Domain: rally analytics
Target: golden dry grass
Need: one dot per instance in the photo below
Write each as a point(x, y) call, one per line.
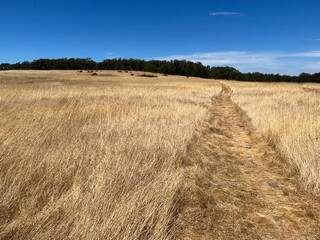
point(288, 115)
point(116, 156)
point(94, 157)
point(236, 187)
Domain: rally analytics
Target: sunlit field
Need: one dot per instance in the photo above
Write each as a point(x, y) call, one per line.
point(288, 115)
point(94, 157)
point(101, 157)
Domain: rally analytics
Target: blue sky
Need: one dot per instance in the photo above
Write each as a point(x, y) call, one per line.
point(271, 36)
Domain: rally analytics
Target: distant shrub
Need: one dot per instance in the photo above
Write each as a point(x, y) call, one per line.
point(80, 71)
point(94, 74)
point(120, 71)
point(132, 74)
point(148, 75)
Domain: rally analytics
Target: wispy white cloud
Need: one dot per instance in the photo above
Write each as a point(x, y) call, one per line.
point(310, 54)
point(110, 55)
point(226, 14)
point(249, 61)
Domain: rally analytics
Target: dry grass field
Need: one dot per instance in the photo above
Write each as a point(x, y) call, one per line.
point(93, 157)
point(288, 115)
point(116, 156)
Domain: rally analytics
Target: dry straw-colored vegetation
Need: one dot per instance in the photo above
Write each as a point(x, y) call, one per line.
point(94, 157)
point(102, 157)
point(289, 116)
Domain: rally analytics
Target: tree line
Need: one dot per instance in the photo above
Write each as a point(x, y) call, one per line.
point(173, 67)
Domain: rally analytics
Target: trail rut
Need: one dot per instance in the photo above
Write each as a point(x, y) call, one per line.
point(238, 187)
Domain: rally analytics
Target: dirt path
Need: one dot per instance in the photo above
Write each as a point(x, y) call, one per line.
point(237, 187)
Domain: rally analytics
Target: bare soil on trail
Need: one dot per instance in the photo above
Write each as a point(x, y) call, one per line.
point(238, 187)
